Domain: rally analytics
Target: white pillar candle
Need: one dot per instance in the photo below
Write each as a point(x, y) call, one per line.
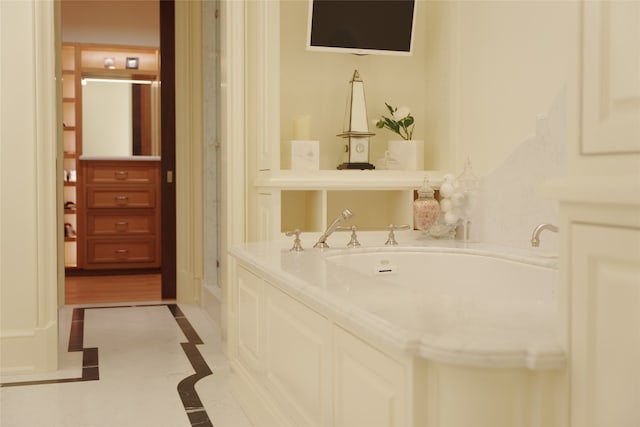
point(302, 128)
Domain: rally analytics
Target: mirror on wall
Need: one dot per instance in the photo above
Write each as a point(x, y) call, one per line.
point(120, 117)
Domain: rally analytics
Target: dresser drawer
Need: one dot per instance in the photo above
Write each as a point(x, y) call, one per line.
point(120, 223)
point(120, 198)
point(118, 172)
point(121, 251)
point(120, 226)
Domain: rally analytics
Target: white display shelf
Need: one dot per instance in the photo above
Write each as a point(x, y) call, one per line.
point(309, 200)
point(347, 179)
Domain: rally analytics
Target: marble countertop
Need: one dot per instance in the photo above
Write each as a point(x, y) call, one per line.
point(461, 332)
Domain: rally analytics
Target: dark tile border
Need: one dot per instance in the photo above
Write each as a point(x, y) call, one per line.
point(90, 370)
point(186, 388)
point(193, 406)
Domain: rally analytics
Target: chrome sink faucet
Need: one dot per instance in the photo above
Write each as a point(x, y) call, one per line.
point(322, 241)
point(535, 237)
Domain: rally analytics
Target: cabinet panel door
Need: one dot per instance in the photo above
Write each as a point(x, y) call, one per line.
point(369, 386)
point(297, 362)
point(611, 77)
point(605, 332)
point(250, 320)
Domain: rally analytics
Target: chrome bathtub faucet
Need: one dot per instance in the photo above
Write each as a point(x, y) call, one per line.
point(535, 237)
point(322, 241)
point(353, 243)
point(391, 240)
point(297, 246)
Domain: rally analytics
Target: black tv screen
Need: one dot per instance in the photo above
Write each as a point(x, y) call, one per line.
point(361, 26)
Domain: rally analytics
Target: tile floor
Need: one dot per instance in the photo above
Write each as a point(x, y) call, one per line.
point(142, 359)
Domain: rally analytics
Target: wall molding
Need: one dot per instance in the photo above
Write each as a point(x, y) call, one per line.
point(29, 225)
point(189, 151)
point(232, 151)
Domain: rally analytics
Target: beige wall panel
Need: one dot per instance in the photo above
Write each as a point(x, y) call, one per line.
point(28, 279)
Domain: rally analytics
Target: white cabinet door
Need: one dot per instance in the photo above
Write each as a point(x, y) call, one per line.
point(250, 320)
point(297, 359)
point(369, 386)
point(605, 341)
point(611, 77)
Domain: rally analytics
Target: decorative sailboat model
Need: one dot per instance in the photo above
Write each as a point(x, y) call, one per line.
point(356, 127)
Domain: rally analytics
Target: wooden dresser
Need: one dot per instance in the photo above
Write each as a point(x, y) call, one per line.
point(120, 228)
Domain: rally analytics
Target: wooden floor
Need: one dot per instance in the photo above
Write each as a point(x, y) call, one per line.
point(112, 289)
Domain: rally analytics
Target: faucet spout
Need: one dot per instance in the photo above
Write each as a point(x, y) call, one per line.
point(322, 241)
point(535, 237)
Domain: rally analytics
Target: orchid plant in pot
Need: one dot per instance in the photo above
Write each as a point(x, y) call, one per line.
point(401, 121)
point(407, 153)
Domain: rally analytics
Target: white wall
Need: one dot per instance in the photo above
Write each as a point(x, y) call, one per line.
point(28, 262)
point(317, 84)
point(513, 62)
point(481, 73)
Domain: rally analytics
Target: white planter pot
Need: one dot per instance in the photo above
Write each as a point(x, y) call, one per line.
point(405, 155)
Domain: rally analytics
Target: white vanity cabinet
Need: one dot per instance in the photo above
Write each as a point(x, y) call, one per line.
point(600, 221)
point(298, 361)
point(308, 371)
point(283, 350)
point(369, 387)
point(250, 324)
point(605, 320)
point(297, 358)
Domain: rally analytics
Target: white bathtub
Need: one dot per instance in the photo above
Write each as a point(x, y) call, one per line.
point(469, 306)
point(470, 327)
point(477, 275)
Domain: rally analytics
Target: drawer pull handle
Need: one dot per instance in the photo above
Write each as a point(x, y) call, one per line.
point(122, 198)
point(121, 174)
point(122, 224)
point(122, 251)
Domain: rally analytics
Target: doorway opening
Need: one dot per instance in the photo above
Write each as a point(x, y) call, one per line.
point(147, 271)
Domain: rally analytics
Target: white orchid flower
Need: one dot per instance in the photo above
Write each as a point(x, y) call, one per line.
point(401, 113)
point(401, 121)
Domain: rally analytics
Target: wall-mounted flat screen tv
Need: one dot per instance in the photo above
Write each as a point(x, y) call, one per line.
point(382, 27)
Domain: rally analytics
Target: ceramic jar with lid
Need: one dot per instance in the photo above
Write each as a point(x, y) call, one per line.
point(425, 207)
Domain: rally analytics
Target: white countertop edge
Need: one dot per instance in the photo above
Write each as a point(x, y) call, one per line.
point(373, 327)
point(121, 158)
point(535, 361)
point(346, 179)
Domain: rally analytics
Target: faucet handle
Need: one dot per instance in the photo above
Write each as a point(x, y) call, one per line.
point(391, 241)
point(353, 243)
point(297, 246)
